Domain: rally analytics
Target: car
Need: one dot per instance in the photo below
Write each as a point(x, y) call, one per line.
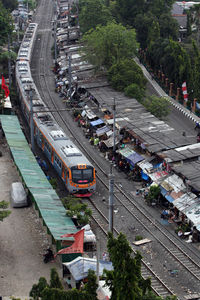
point(18, 195)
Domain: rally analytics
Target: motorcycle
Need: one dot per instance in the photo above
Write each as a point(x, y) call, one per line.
point(48, 256)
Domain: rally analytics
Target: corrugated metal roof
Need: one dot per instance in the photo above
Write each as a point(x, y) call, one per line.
point(47, 201)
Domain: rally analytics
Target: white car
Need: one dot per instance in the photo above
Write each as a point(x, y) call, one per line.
point(18, 195)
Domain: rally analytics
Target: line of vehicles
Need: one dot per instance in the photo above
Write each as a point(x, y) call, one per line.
point(73, 167)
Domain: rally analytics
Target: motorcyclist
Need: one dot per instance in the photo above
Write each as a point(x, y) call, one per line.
point(48, 255)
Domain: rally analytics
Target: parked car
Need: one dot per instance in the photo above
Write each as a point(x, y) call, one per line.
point(18, 195)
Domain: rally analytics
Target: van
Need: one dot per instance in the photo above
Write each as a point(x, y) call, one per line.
point(18, 195)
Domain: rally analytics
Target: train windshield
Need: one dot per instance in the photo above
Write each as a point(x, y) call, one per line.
point(82, 176)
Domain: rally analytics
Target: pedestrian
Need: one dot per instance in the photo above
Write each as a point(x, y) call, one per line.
point(197, 126)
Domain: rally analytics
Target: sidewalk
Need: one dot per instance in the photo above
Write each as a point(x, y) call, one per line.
point(162, 93)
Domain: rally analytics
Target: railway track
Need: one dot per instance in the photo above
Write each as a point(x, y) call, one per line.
point(165, 240)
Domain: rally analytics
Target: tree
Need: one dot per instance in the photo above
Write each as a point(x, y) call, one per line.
point(107, 45)
point(168, 26)
point(125, 73)
point(55, 291)
point(127, 10)
point(55, 280)
point(91, 286)
point(158, 7)
point(37, 289)
point(147, 28)
point(195, 10)
point(158, 106)
point(125, 280)
point(93, 13)
point(173, 59)
point(6, 24)
point(153, 193)
point(3, 212)
point(10, 4)
point(122, 280)
point(77, 209)
point(189, 19)
point(134, 91)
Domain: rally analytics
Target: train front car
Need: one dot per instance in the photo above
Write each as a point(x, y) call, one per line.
point(83, 180)
point(69, 162)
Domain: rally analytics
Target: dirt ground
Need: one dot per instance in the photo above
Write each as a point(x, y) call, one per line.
point(22, 240)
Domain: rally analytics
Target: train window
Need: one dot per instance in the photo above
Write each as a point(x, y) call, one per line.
point(87, 174)
point(57, 161)
point(82, 176)
point(76, 175)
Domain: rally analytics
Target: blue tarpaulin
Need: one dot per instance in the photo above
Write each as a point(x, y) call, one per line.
point(102, 130)
point(144, 176)
point(164, 192)
point(134, 158)
point(97, 122)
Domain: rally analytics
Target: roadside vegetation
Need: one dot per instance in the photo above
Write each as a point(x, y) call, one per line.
point(78, 211)
point(4, 213)
point(124, 281)
point(147, 27)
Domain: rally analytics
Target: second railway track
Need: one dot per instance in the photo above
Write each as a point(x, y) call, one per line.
point(178, 252)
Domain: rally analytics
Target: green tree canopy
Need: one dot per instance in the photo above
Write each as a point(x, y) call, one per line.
point(6, 24)
point(158, 7)
point(10, 4)
point(93, 13)
point(55, 280)
point(127, 10)
point(147, 28)
point(173, 59)
point(168, 26)
point(37, 289)
point(109, 44)
point(125, 280)
point(125, 73)
point(134, 91)
point(55, 291)
point(158, 106)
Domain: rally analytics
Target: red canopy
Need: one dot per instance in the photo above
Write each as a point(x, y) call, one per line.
point(77, 246)
point(4, 87)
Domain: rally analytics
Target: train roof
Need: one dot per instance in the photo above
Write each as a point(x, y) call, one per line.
point(62, 144)
point(26, 48)
point(45, 121)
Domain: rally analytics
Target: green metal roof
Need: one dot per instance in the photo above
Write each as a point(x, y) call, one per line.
point(48, 202)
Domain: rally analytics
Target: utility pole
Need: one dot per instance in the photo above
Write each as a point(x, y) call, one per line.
point(68, 23)
point(97, 268)
point(114, 110)
point(111, 199)
point(18, 30)
point(54, 29)
point(31, 120)
point(70, 79)
point(9, 64)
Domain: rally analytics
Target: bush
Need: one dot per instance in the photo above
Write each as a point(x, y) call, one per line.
point(53, 182)
point(158, 106)
point(76, 209)
point(153, 194)
point(134, 91)
point(125, 73)
point(138, 238)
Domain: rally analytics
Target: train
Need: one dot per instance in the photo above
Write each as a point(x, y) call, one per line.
point(72, 166)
